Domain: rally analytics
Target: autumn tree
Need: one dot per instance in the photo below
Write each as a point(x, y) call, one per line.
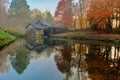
point(59, 11)
point(44, 16)
point(37, 14)
point(80, 13)
point(75, 14)
point(48, 17)
point(116, 15)
point(63, 12)
point(67, 15)
point(99, 14)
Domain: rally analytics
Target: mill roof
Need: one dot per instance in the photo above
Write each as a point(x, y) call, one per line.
point(39, 25)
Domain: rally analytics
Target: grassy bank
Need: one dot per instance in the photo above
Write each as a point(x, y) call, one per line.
point(90, 35)
point(18, 32)
point(5, 38)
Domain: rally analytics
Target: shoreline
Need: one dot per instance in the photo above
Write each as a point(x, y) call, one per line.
point(90, 35)
point(6, 39)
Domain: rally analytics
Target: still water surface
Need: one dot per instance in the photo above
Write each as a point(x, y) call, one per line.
point(53, 59)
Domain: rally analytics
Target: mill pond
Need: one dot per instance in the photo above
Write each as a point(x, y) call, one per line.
point(58, 59)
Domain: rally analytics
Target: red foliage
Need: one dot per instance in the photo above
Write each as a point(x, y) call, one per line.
point(63, 13)
point(60, 7)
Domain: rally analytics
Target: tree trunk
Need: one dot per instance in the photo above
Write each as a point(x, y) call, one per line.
point(109, 26)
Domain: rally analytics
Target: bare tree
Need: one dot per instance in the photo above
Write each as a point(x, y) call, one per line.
point(83, 5)
point(116, 16)
point(80, 13)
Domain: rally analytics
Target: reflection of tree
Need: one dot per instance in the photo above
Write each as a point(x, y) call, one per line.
point(4, 63)
point(20, 60)
point(54, 42)
point(107, 52)
point(94, 50)
point(103, 66)
point(63, 59)
point(79, 61)
point(82, 62)
point(72, 58)
point(112, 55)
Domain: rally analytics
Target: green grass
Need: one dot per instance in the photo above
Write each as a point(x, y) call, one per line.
point(13, 30)
point(5, 38)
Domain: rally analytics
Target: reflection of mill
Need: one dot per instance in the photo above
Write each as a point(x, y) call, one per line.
point(35, 44)
point(41, 44)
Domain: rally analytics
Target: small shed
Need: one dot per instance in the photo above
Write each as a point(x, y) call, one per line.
point(37, 30)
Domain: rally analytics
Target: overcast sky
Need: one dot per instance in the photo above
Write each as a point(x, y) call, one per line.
point(43, 5)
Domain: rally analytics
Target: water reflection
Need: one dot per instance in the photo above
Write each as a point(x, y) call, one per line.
point(6, 54)
point(20, 60)
point(60, 58)
point(36, 44)
point(39, 44)
point(4, 63)
point(71, 61)
point(89, 62)
point(104, 61)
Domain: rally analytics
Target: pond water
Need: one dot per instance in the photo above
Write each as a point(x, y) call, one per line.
point(53, 59)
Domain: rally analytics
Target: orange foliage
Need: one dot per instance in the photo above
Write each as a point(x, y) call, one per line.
point(99, 11)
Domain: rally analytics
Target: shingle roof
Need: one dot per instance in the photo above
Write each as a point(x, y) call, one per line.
point(40, 25)
point(43, 24)
point(37, 26)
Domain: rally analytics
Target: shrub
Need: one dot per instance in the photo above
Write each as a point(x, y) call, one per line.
point(117, 30)
point(93, 26)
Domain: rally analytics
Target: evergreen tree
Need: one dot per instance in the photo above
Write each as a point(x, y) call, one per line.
point(20, 11)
